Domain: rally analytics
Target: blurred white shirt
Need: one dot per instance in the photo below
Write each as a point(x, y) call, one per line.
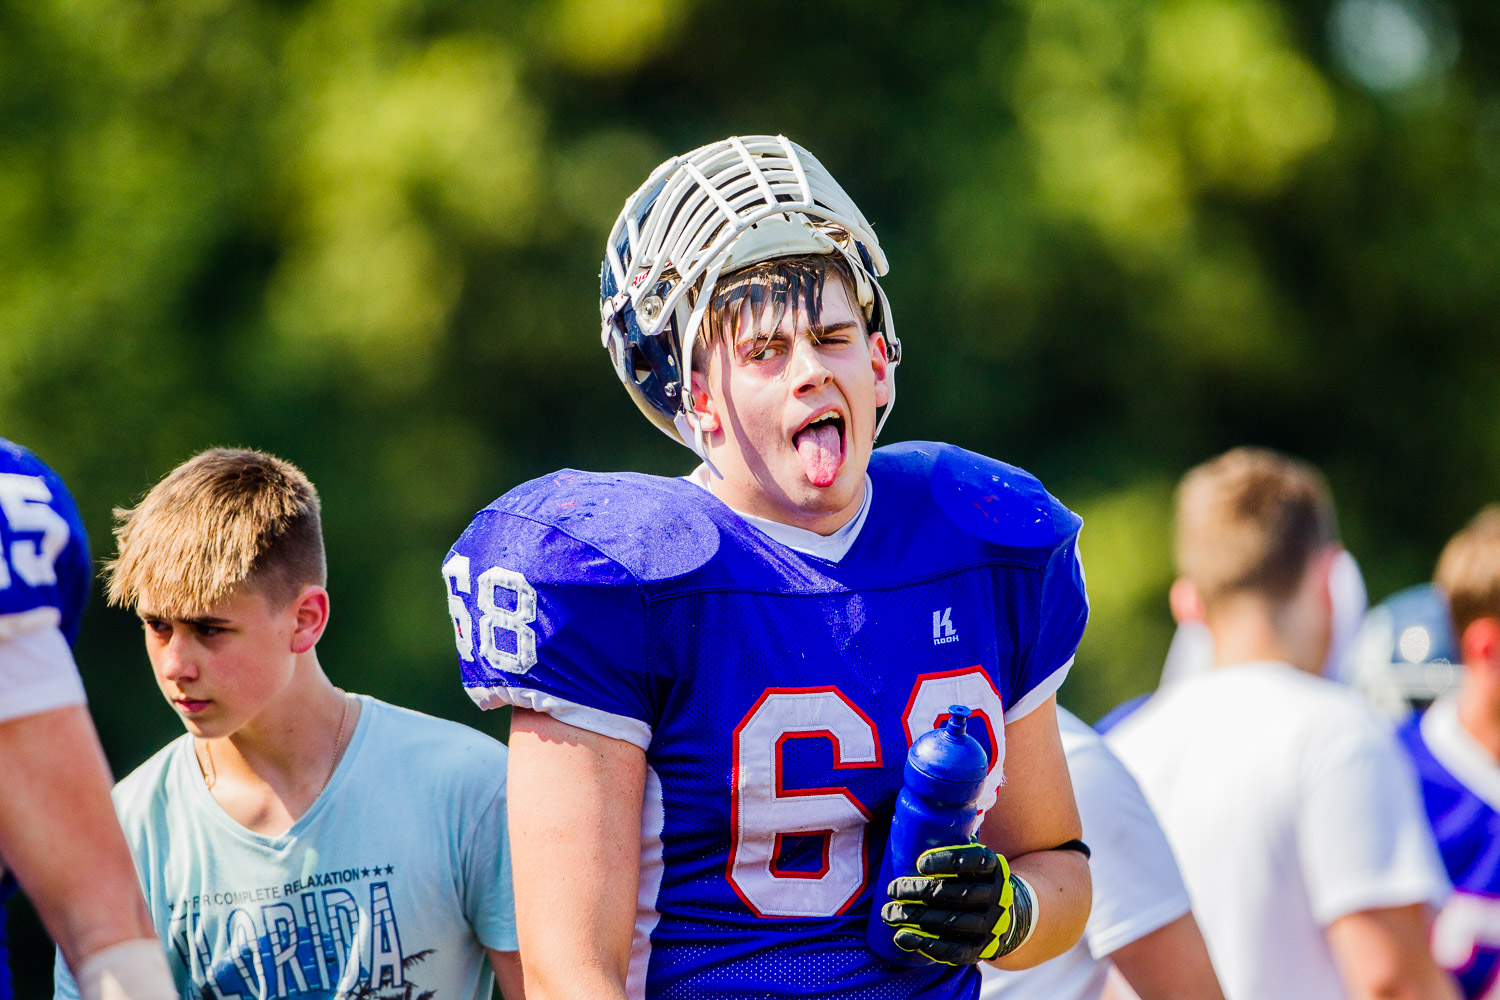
point(1289, 805)
point(1136, 885)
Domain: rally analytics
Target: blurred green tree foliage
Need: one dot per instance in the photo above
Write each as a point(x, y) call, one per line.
point(1124, 234)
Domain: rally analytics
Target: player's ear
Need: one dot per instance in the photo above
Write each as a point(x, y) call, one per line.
point(881, 367)
point(1480, 644)
point(1321, 571)
point(705, 409)
point(1185, 601)
point(311, 610)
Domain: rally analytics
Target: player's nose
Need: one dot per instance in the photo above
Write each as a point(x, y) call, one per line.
point(809, 369)
point(176, 659)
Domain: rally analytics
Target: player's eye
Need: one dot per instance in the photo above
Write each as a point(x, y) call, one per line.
point(763, 348)
point(157, 626)
point(208, 631)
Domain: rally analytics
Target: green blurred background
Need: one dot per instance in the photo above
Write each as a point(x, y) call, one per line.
point(365, 235)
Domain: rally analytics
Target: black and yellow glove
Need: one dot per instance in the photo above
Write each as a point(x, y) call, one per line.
point(963, 907)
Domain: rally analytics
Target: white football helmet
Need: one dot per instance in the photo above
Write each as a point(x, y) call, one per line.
point(705, 214)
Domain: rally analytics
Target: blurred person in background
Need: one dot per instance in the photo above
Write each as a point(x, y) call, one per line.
point(297, 839)
point(1455, 745)
point(58, 833)
point(1191, 653)
point(1141, 922)
point(1294, 815)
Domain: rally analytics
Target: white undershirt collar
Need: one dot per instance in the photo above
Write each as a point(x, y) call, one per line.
point(1457, 750)
point(830, 548)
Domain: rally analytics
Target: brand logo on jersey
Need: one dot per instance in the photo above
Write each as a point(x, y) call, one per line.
point(942, 627)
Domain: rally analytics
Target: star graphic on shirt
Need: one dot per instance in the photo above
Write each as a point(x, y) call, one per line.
point(390, 869)
point(365, 872)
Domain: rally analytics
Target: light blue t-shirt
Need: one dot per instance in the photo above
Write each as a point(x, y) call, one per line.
point(387, 887)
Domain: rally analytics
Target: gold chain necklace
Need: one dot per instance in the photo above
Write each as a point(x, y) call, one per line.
point(210, 775)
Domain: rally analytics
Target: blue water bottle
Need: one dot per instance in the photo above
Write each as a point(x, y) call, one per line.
point(939, 799)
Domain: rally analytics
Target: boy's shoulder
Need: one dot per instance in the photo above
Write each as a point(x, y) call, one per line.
point(982, 497)
point(596, 528)
point(150, 787)
point(426, 744)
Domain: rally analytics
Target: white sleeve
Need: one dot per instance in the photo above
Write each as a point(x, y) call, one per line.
point(1137, 887)
point(1362, 834)
point(37, 674)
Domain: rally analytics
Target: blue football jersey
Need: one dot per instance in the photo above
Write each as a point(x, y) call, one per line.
point(44, 553)
point(1461, 790)
point(44, 574)
point(775, 694)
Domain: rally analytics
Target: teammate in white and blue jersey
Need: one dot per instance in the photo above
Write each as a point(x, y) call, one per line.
point(716, 678)
point(58, 833)
point(1455, 746)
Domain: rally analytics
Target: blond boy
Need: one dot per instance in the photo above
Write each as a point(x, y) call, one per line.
point(297, 840)
point(1294, 818)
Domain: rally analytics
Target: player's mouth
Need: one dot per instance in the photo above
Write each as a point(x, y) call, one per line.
point(820, 446)
point(190, 706)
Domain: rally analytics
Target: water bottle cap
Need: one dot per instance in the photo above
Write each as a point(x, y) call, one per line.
point(948, 759)
point(958, 723)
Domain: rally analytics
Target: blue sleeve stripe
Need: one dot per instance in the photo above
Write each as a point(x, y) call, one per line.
point(1033, 699)
point(618, 727)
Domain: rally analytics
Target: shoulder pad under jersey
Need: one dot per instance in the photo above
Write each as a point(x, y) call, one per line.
point(652, 527)
point(984, 497)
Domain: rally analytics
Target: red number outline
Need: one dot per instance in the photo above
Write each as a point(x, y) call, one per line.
point(977, 713)
point(781, 792)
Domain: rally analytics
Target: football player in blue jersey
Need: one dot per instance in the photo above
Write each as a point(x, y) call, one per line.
point(58, 833)
point(716, 678)
point(1455, 745)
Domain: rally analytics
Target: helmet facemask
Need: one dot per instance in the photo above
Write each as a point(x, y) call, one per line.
point(710, 213)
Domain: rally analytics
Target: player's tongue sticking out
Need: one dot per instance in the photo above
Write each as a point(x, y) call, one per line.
point(821, 448)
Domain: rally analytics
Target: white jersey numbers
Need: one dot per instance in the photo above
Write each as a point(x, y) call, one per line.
point(498, 618)
point(456, 572)
point(928, 708)
point(505, 620)
point(23, 502)
point(764, 812)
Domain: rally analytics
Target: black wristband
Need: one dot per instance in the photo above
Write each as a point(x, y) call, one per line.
point(1022, 913)
point(1075, 845)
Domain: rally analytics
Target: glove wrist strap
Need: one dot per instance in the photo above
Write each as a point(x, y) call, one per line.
point(1024, 914)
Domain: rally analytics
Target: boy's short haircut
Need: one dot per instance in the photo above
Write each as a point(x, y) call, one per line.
point(1249, 522)
point(1469, 570)
point(221, 519)
point(773, 284)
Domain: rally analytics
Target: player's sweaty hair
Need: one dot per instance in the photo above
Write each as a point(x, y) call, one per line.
point(1469, 570)
point(219, 520)
point(1249, 522)
point(766, 290)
